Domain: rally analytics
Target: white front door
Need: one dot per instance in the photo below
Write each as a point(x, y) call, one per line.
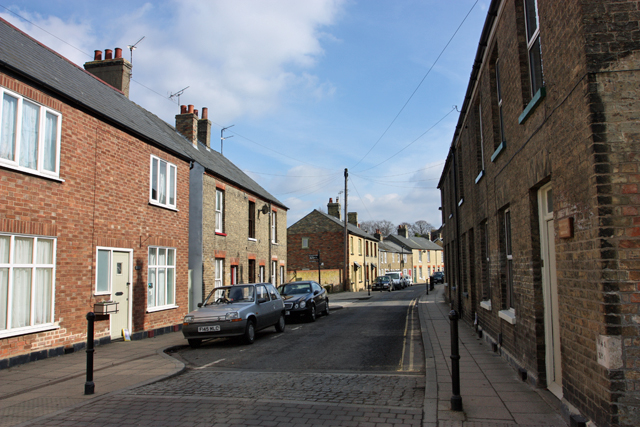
point(553, 355)
point(120, 283)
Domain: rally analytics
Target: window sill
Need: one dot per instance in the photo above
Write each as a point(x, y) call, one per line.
point(159, 205)
point(532, 105)
point(252, 239)
point(479, 177)
point(508, 315)
point(102, 293)
point(164, 307)
point(499, 150)
point(218, 233)
point(486, 304)
point(17, 168)
point(460, 202)
point(28, 330)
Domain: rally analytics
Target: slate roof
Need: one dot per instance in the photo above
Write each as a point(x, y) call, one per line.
point(352, 229)
point(388, 246)
point(414, 242)
point(31, 59)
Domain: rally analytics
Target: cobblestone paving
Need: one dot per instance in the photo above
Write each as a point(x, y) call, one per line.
point(226, 399)
point(377, 390)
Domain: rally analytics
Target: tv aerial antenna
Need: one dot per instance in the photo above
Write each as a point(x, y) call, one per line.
point(132, 47)
point(178, 93)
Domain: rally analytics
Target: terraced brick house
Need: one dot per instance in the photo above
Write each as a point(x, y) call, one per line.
point(540, 201)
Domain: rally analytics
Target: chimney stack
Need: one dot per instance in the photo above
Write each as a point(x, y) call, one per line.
point(402, 231)
point(352, 218)
point(187, 124)
point(377, 235)
point(114, 71)
point(334, 209)
point(204, 128)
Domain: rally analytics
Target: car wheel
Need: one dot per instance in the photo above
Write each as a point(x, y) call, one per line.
point(326, 308)
point(312, 313)
point(250, 332)
point(195, 343)
point(281, 324)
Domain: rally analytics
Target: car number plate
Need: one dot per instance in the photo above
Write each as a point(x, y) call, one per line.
point(214, 328)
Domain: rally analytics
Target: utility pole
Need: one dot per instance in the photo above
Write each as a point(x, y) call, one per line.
point(346, 235)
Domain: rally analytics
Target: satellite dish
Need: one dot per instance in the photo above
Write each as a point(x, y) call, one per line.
point(265, 209)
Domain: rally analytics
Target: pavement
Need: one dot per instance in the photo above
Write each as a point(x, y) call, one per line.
point(492, 393)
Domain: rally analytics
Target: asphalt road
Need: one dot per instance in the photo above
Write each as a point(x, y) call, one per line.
point(361, 366)
point(380, 334)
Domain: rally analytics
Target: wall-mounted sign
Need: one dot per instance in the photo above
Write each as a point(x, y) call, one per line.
point(565, 228)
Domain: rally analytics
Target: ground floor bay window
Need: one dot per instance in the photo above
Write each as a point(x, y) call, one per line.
point(27, 284)
point(161, 292)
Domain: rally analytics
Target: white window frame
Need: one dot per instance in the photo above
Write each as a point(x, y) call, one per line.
point(305, 243)
point(170, 185)
point(41, 129)
point(219, 272)
point(170, 297)
point(420, 257)
point(261, 274)
point(219, 211)
point(110, 251)
point(9, 265)
point(282, 274)
point(274, 227)
point(499, 94)
point(274, 272)
point(532, 39)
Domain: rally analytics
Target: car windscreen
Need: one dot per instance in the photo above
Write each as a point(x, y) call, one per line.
point(295, 288)
point(230, 294)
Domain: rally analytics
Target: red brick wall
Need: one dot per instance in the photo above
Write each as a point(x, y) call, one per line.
point(102, 200)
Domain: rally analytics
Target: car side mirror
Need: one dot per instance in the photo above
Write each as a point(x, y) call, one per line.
point(316, 292)
point(199, 304)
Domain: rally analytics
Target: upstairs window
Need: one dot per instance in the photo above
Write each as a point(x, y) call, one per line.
point(29, 135)
point(499, 98)
point(305, 243)
point(252, 220)
point(533, 45)
point(163, 183)
point(219, 211)
point(274, 228)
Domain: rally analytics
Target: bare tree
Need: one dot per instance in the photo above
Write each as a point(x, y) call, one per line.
point(385, 227)
point(421, 228)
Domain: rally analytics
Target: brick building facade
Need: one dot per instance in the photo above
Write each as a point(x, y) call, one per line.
point(540, 200)
point(324, 234)
point(93, 207)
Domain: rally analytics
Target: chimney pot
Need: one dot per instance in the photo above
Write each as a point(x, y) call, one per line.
point(205, 113)
point(183, 109)
point(190, 108)
point(97, 55)
point(108, 54)
point(330, 199)
point(195, 112)
point(118, 53)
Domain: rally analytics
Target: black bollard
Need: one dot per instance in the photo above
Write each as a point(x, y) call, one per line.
point(456, 399)
point(89, 386)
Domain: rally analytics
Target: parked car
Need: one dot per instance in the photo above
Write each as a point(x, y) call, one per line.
point(407, 280)
point(382, 283)
point(238, 310)
point(396, 280)
point(438, 277)
point(304, 299)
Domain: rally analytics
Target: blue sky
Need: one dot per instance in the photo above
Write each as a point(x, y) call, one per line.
point(311, 87)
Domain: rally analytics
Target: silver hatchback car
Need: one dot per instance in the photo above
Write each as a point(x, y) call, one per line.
point(238, 310)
